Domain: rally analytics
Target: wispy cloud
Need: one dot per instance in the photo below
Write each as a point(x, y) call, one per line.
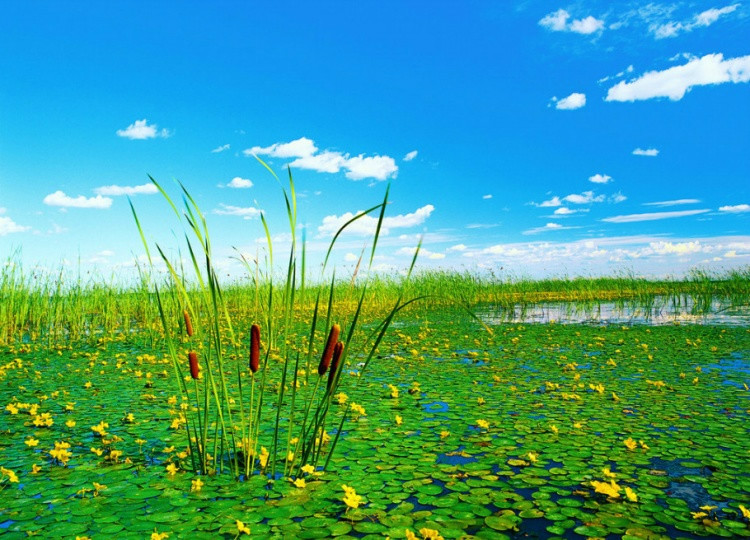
point(220, 148)
point(675, 202)
point(550, 203)
point(675, 82)
point(487, 197)
point(140, 129)
point(570, 103)
point(306, 156)
point(243, 212)
point(586, 197)
point(653, 216)
point(547, 227)
point(59, 198)
point(411, 155)
point(649, 152)
point(366, 225)
point(600, 179)
point(115, 190)
point(565, 211)
point(240, 183)
point(699, 20)
point(735, 209)
point(557, 21)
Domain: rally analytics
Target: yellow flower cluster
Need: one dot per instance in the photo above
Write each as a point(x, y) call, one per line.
point(61, 452)
point(351, 499)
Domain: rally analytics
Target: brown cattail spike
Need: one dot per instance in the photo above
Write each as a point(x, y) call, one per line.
point(254, 348)
point(188, 324)
point(194, 369)
point(337, 350)
point(325, 361)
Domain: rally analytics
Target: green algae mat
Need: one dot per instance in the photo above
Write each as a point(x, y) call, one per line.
point(534, 431)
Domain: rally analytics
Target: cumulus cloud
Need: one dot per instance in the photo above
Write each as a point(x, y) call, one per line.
point(366, 225)
point(140, 129)
point(557, 21)
point(650, 152)
point(240, 183)
point(243, 212)
point(306, 156)
point(553, 202)
point(705, 18)
point(59, 198)
point(294, 149)
point(115, 190)
point(220, 148)
point(617, 197)
point(457, 247)
point(423, 253)
point(600, 179)
point(653, 216)
point(586, 197)
point(675, 82)
point(736, 209)
point(572, 102)
point(8, 226)
point(565, 211)
point(680, 248)
point(675, 202)
point(411, 155)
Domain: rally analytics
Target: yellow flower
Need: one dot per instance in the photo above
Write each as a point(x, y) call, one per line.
point(410, 535)
point(430, 534)
point(12, 477)
point(610, 490)
point(399, 420)
point(630, 443)
point(533, 457)
point(483, 424)
point(35, 468)
point(168, 449)
point(263, 457)
point(290, 456)
point(97, 451)
point(299, 483)
point(196, 485)
point(394, 391)
point(481, 401)
point(341, 398)
point(445, 434)
point(554, 429)
point(114, 455)
point(11, 408)
point(308, 469)
point(745, 512)
point(608, 473)
point(87, 385)
point(357, 408)
point(158, 536)
point(698, 515)
point(351, 499)
point(630, 494)
point(31, 441)
point(242, 528)
point(70, 423)
point(577, 425)
point(172, 469)
point(643, 445)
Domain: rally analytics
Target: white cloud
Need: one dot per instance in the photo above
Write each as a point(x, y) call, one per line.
point(564, 211)
point(8, 226)
point(617, 197)
point(486, 197)
point(679, 248)
point(240, 183)
point(351, 257)
point(59, 198)
point(703, 19)
point(736, 209)
point(572, 102)
point(298, 148)
point(632, 218)
point(600, 178)
point(650, 152)
point(554, 201)
point(557, 21)
point(457, 247)
point(220, 148)
point(675, 202)
point(114, 190)
point(378, 167)
point(547, 227)
point(411, 155)
point(675, 82)
point(366, 225)
point(583, 198)
point(140, 129)
point(329, 161)
point(246, 212)
point(423, 253)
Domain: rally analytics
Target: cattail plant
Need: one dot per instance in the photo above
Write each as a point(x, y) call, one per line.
point(325, 360)
point(194, 368)
point(188, 323)
point(254, 348)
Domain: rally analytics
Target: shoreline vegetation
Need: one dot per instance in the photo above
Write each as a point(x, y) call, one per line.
point(34, 307)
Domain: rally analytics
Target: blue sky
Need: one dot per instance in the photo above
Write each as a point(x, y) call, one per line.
point(542, 138)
